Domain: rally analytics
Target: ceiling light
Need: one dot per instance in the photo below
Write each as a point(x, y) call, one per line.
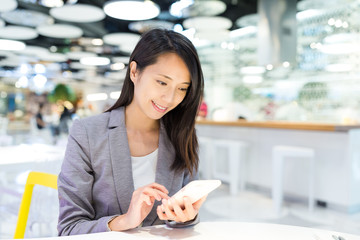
point(39, 81)
point(97, 96)
point(70, 13)
point(340, 48)
point(11, 45)
point(177, 7)
point(307, 14)
point(339, 67)
point(252, 70)
point(97, 42)
point(60, 31)
point(115, 95)
point(208, 23)
point(117, 66)
point(95, 61)
point(18, 33)
point(244, 31)
point(252, 79)
point(131, 10)
point(39, 68)
point(23, 82)
point(8, 5)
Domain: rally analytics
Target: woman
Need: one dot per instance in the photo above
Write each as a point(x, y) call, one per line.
point(121, 165)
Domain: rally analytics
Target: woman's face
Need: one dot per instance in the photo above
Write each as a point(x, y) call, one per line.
point(160, 87)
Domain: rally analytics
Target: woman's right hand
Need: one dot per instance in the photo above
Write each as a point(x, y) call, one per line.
point(142, 202)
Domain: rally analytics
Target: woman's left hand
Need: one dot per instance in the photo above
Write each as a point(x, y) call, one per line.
point(171, 209)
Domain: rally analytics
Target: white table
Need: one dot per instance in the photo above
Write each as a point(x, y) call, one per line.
point(29, 156)
point(218, 230)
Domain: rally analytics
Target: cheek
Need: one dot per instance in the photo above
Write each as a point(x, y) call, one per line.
point(179, 98)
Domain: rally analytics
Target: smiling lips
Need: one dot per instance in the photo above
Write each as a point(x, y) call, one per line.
point(158, 107)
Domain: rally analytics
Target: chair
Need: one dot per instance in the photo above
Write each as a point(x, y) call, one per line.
point(279, 154)
point(39, 178)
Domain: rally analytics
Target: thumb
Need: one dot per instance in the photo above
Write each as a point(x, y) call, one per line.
point(199, 202)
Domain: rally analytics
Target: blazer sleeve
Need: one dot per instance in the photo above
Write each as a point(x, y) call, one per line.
point(187, 178)
point(75, 181)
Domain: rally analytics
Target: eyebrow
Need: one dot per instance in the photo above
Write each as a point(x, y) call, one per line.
point(165, 76)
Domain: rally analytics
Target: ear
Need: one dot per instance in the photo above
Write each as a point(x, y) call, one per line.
point(133, 72)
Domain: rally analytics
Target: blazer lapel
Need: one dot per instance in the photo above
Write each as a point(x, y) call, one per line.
point(164, 174)
point(120, 159)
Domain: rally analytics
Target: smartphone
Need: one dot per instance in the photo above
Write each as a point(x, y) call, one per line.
point(195, 190)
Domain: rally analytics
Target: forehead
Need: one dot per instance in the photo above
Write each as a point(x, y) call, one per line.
point(172, 66)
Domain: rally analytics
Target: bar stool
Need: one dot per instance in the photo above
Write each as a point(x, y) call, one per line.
point(205, 156)
point(279, 154)
point(236, 155)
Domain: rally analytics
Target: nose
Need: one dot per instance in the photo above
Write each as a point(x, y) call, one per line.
point(168, 96)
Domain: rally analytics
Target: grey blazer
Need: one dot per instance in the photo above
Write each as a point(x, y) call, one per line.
point(96, 183)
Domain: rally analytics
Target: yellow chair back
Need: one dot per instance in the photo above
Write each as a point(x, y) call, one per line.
point(39, 178)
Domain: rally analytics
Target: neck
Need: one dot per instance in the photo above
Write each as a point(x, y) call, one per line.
point(136, 120)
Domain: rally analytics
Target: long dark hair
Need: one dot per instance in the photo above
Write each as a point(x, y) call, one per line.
point(179, 122)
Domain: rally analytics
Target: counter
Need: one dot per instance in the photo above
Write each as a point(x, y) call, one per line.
point(283, 125)
point(337, 160)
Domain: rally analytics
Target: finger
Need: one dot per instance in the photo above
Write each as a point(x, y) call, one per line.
point(180, 215)
point(145, 198)
point(199, 202)
point(159, 187)
point(155, 193)
point(189, 208)
point(169, 213)
point(160, 213)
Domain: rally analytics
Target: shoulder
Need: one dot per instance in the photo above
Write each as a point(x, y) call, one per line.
point(94, 123)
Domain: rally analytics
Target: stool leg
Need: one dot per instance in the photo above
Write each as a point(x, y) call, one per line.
point(208, 155)
point(243, 169)
point(234, 160)
point(277, 188)
point(311, 185)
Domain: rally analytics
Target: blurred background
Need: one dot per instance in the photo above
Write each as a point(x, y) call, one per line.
point(263, 60)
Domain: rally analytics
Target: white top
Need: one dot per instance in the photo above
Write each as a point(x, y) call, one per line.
point(144, 169)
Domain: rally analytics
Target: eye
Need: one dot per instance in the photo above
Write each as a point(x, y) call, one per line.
point(183, 89)
point(161, 82)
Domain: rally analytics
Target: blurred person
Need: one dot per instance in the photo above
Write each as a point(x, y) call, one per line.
point(40, 123)
point(121, 165)
point(65, 119)
point(203, 109)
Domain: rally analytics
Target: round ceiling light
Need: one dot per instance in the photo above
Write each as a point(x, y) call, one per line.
point(11, 45)
point(27, 18)
point(18, 33)
point(95, 61)
point(125, 41)
point(34, 51)
point(253, 70)
point(60, 31)
point(208, 23)
point(143, 26)
point(53, 57)
point(187, 9)
point(78, 13)
point(56, 3)
point(248, 20)
point(8, 5)
point(131, 10)
point(339, 67)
